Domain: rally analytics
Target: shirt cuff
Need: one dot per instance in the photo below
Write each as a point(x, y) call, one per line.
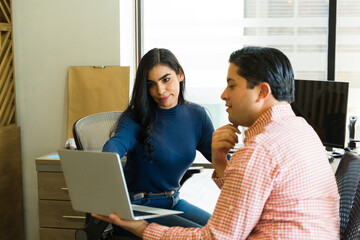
point(154, 231)
point(219, 181)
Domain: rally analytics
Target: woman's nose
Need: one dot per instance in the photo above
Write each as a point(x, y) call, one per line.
point(161, 88)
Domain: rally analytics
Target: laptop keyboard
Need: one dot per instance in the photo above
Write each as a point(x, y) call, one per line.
point(141, 213)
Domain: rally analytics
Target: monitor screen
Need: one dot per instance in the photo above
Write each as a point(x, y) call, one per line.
point(323, 104)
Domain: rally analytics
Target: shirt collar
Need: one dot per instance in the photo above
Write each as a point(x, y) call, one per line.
point(276, 112)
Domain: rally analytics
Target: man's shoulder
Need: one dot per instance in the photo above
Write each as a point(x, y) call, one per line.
point(286, 126)
point(291, 133)
point(285, 131)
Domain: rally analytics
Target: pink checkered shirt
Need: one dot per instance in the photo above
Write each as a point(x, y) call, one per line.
point(278, 186)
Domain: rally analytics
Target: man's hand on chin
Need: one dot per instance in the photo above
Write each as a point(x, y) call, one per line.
point(223, 139)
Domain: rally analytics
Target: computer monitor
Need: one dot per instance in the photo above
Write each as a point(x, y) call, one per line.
point(323, 104)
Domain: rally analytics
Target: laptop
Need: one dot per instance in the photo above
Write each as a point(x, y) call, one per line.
point(97, 184)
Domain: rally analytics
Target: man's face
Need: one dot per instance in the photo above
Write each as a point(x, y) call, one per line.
point(240, 100)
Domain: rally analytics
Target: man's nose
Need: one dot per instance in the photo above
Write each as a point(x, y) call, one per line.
point(224, 95)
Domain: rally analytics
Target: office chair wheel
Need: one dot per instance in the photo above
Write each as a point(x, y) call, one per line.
point(80, 234)
point(93, 230)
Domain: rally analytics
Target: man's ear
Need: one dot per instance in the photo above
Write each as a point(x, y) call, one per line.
point(265, 90)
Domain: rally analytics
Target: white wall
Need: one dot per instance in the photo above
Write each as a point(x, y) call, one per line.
point(50, 36)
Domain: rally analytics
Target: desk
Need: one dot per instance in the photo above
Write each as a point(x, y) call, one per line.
point(207, 165)
point(57, 219)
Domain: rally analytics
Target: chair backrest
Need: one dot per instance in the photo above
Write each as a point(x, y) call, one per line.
point(348, 180)
point(92, 132)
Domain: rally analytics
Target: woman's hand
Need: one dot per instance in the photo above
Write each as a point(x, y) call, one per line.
point(136, 227)
point(223, 139)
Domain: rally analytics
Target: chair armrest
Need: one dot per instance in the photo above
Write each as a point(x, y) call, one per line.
point(189, 173)
point(197, 169)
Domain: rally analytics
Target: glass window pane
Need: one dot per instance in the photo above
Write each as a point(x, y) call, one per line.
point(202, 38)
point(298, 28)
point(202, 34)
point(348, 52)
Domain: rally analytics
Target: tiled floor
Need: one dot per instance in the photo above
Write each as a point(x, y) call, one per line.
point(201, 191)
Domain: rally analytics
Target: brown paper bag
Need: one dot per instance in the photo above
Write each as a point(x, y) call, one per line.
point(96, 89)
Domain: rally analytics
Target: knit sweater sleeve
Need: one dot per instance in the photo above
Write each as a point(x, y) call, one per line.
point(124, 138)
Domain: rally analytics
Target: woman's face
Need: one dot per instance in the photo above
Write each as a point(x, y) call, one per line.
point(163, 85)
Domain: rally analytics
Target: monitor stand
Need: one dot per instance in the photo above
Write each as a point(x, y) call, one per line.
point(352, 141)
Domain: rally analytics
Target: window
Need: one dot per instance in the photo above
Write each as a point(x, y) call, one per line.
point(202, 34)
point(348, 52)
point(202, 38)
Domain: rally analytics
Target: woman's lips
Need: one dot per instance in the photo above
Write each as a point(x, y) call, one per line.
point(164, 98)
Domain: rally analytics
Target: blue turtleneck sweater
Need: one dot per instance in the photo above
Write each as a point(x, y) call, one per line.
point(178, 133)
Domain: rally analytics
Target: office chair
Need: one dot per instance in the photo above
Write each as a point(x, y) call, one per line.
point(348, 180)
point(91, 133)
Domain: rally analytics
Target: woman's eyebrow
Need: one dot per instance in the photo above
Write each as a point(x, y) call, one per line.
point(165, 75)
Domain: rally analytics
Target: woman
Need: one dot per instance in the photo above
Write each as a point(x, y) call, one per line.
point(160, 132)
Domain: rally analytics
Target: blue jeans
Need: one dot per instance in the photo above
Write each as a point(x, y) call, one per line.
point(192, 216)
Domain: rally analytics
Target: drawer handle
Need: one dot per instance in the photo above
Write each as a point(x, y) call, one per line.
point(74, 217)
point(65, 188)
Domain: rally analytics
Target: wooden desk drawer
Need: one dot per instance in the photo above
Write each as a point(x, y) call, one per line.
point(59, 214)
point(51, 185)
point(57, 234)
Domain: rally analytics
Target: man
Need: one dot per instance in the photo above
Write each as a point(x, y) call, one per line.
point(280, 184)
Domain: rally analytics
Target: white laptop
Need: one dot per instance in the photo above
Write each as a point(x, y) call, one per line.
point(97, 184)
